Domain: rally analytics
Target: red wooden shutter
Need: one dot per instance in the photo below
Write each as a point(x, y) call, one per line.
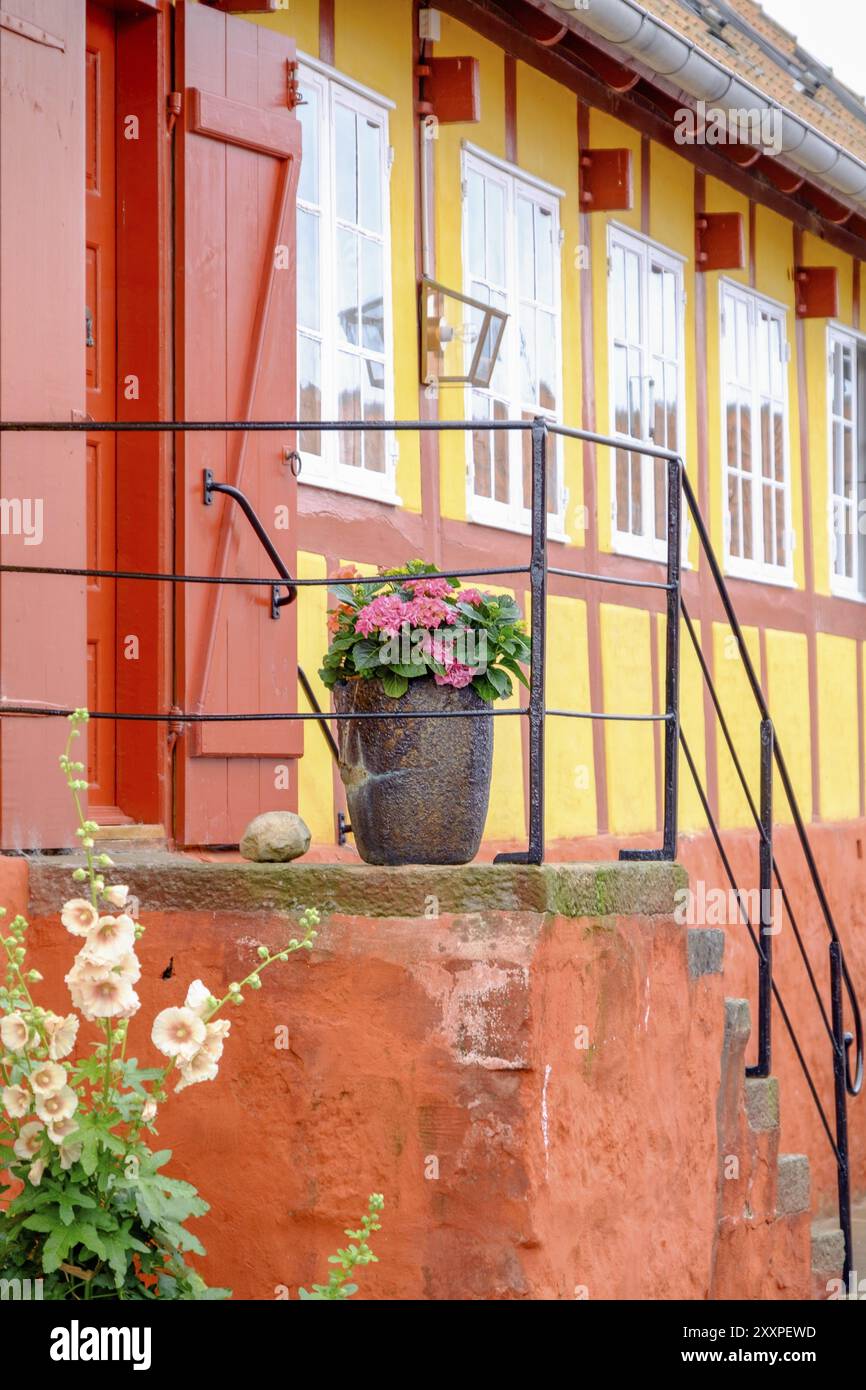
point(42, 336)
point(237, 161)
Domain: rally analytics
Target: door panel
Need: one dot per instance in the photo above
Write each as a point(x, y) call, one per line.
point(101, 378)
point(237, 161)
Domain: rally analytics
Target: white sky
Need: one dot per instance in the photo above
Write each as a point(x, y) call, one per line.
point(832, 30)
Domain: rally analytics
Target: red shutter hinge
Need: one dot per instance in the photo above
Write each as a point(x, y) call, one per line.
point(173, 108)
point(293, 91)
point(176, 726)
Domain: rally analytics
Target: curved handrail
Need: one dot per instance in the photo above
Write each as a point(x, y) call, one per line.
point(853, 1084)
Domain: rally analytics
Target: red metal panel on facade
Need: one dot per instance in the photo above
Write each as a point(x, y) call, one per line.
point(452, 87)
point(720, 241)
point(817, 291)
point(42, 372)
point(235, 359)
point(606, 180)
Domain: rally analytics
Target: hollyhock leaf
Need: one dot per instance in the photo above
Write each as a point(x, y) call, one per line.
point(344, 593)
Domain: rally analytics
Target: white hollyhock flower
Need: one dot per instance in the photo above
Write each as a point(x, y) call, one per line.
point(200, 1068)
point(59, 1130)
point(61, 1033)
point(116, 894)
point(217, 1032)
point(29, 1140)
point(59, 1106)
point(108, 996)
point(128, 968)
point(48, 1079)
point(110, 940)
point(148, 1111)
point(13, 1032)
point(178, 1033)
point(69, 1154)
point(78, 916)
point(16, 1101)
point(197, 997)
point(37, 1168)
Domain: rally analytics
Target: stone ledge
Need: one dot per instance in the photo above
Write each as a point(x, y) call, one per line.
point(181, 883)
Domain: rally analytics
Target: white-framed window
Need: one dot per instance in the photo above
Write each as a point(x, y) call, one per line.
point(511, 258)
point(757, 492)
point(846, 417)
point(647, 392)
point(345, 356)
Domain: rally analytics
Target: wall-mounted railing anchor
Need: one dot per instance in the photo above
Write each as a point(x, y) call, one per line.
point(278, 599)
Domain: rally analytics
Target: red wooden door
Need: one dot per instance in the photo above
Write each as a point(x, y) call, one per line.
point(101, 377)
point(236, 160)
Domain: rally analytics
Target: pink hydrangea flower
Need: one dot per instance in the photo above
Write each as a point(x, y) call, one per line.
point(456, 675)
point(429, 588)
point(427, 612)
point(386, 613)
point(471, 596)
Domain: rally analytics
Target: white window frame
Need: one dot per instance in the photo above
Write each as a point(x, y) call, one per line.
point(737, 565)
point(326, 469)
point(513, 515)
point(646, 546)
point(846, 586)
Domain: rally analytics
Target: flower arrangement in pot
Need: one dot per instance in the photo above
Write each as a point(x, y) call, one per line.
point(415, 640)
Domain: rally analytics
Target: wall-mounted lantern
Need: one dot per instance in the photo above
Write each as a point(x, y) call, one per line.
point(460, 337)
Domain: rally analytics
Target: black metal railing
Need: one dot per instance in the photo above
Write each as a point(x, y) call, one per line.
point(286, 589)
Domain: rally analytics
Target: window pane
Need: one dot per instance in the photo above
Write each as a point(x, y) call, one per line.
point(349, 406)
point(546, 358)
point(501, 480)
point(374, 409)
point(482, 472)
point(495, 233)
point(308, 270)
point(528, 368)
point(526, 248)
point(545, 251)
point(370, 174)
point(346, 161)
point(308, 115)
point(617, 292)
point(347, 286)
point(309, 391)
point(656, 311)
point(671, 333)
point(475, 223)
point(632, 297)
point(372, 296)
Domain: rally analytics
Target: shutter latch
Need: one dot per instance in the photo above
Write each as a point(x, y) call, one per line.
point(173, 108)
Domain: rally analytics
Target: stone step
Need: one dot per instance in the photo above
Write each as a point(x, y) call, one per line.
point(828, 1256)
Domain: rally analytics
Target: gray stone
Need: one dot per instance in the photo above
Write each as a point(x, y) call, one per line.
point(762, 1102)
point(828, 1250)
point(794, 1188)
point(706, 948)
point(275, 837)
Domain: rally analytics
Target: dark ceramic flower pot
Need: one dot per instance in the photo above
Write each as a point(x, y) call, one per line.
point(417, 789)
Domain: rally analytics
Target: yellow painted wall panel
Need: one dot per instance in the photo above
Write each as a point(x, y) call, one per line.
point(691, 812)
point(837, 727)
point(743, 719)
point(569, 777)
point(299, 18)
point(506, 817)
point(627, 679)
point(788, 699)
point(315, 770)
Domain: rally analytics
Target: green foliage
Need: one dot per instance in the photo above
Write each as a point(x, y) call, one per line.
point(345, 1262)
point(483, 633)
